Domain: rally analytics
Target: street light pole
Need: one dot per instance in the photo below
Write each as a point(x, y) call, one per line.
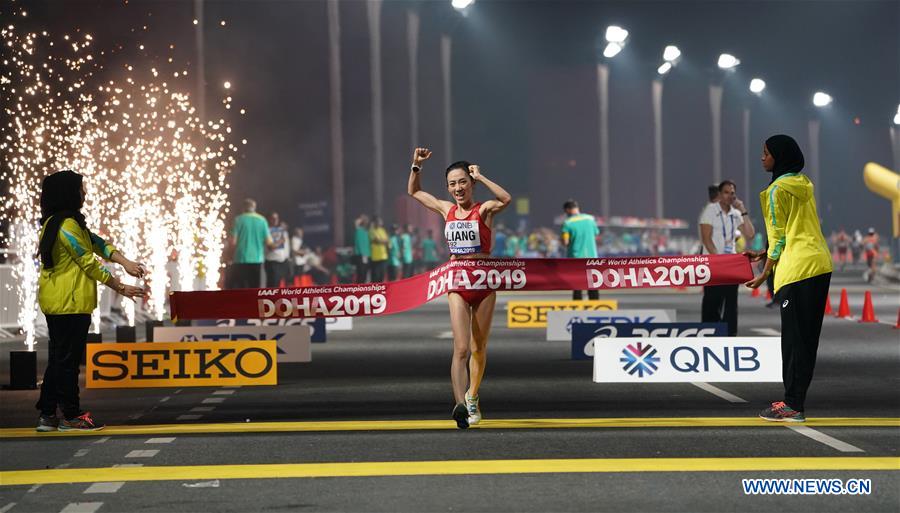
point(657, 89)
point(603, 100)
point(446, 47)
point(412, 40)
point(373, 9)
point(337, 131)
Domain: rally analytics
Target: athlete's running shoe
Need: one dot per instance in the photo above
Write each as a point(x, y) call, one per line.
point(461, 416)
point(781, 412)
point(83, 422)
point(473, 410)
point(47, 423)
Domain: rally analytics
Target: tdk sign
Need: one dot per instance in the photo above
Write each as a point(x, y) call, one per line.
point(559, 323)
point(585, 336)
point(671, 360)
point(292, 341)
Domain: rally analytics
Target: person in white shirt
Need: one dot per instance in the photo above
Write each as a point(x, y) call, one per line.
point(277, 264)
point(718, 225)
point(298, 259)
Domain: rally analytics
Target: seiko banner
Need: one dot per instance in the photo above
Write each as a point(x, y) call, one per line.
point(559, 324)
point(483, 274)
point(292, 341)
point(586, 336)
point(533, 314)
point(181, 364)
point(670, 360)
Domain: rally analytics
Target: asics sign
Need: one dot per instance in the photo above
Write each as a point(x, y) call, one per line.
point(559, 323)
point(671, 360)
point(586, 336)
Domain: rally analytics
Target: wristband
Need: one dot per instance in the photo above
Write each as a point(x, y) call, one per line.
point(415, 169)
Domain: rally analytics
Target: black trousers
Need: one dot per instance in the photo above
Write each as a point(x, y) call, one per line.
point(379, 269)
point(720, 305)
point(362, 269)
point(275, 272)
point(802, 310)
point(592, 294)
point(68, 336)
point(246, 276)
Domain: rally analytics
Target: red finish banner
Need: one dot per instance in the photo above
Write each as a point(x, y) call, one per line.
point(355, 300)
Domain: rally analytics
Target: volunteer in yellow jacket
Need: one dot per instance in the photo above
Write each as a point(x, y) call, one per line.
point(799, 255)
point(68, 294)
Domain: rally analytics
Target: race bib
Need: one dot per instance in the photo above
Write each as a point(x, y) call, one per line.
point(463, 237)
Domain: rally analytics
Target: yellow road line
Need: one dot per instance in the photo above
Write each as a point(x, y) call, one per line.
point(410, 425)
point(434, 468)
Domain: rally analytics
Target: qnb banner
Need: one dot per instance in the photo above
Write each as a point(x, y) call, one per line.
point(473, 274)
point(670, 360)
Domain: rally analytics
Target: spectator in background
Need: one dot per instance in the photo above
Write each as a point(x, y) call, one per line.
point(416, 242)
point(512, 245)
point(298, 261)
point(277, 257)
point(871, 247)
point(499, 250)
point(856, 245)
point(429, 251)
point(314, 266)
point(250, 238)
point(712, 193)
point(395, 254)
point(379, 241)
point(718, 225)
point(362, 250)
point(406, 251)
point(579, 236)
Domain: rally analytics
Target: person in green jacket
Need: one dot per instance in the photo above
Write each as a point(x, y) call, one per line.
point(67, 294)
point(395, 254)
point(800, 258)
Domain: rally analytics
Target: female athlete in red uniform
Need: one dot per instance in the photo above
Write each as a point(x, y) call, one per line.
point(468, 231)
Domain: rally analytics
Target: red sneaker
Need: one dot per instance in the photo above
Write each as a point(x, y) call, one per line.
point(83, 422)
point(778, 412)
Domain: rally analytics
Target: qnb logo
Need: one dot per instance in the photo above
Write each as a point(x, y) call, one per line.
point(640, 359)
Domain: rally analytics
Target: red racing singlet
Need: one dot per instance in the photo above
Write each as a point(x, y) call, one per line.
point(467, 236)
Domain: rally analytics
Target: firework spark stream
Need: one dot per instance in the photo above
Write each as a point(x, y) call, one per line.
point(156, 173)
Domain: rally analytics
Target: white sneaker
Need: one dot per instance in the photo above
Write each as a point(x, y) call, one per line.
point(474, 411)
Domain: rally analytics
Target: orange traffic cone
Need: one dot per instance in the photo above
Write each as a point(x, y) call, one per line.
point(297, 281)
point(755, 292)
point(768, 295)
point(897, 326)
point(306, 281)
point(844, 308)
point(828, 309)
point(281, 284)
point(868, 314)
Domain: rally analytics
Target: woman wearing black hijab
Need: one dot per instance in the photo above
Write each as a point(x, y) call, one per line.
point(67, 295)
point(799, 254)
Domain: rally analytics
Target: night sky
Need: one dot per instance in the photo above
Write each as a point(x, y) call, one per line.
point(524, 94)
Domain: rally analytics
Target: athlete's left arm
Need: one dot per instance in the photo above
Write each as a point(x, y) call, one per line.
point(502, 198)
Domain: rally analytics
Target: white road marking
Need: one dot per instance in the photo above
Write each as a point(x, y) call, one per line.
point(767, 332)
point(145, 453)
point(163, 440)
point(102, 440)
point(81, 507)
point(81, 452)
point(188, 417)
point(136, 416)
point(213, 400)
point(718, 392)
point(223, 392)
point(446, 335)
point(34, 488)
point(825, 439)
point(105, 487)
point(203, 408)
point(202, 484)
point(8, 507)
point(166, 398)
point(127, 465)
point(178, 391)
point(63, 465)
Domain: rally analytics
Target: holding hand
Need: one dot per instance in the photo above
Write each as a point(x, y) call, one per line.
point(134, 269)
point(132, 291)
point(756, 282)
point(754, 256)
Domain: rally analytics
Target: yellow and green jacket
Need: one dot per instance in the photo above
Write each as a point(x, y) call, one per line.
point(70, 286)
point(792, 223)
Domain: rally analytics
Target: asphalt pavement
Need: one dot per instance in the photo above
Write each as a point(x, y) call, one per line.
point(365, 427)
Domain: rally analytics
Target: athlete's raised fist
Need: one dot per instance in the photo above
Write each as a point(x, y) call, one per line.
point(421, 155)
point(475, 172)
